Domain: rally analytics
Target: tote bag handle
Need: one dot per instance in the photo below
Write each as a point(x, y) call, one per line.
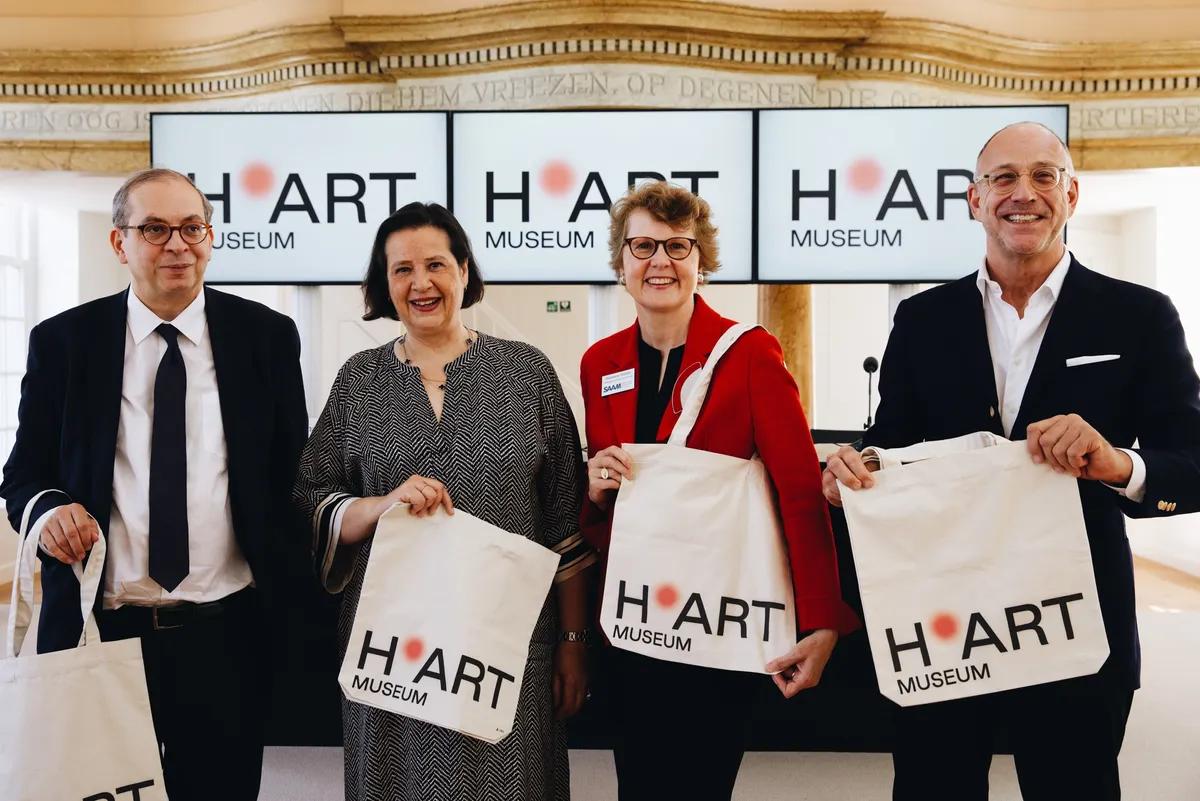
point(693, 403)
point(895, 457)
point(20, 613)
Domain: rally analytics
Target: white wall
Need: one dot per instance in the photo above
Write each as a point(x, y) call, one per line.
point(1140, 226)
point(100, 273)
point(850, 323)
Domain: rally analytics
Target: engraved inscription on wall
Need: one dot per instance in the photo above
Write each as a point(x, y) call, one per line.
point(608, 86)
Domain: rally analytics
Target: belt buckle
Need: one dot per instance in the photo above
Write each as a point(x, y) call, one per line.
point(156, 625)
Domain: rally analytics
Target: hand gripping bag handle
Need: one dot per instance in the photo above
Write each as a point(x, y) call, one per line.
point(20, 613)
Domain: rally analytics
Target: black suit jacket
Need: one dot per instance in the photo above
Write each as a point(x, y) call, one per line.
point(936, 382)
point(67, 434)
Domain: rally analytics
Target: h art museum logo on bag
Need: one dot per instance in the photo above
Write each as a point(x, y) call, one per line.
point(471, 677)
point(1023, 625)
point(735, 617)
point(133, 791)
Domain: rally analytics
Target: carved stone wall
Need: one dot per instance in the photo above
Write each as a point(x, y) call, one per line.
point(1132, 104)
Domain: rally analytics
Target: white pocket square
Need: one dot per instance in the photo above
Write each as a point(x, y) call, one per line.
point(1075, 361)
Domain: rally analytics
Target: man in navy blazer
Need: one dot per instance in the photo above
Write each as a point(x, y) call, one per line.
point(170, 418)
point(1035, 346)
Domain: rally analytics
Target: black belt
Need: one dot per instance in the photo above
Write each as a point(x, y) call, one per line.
point(176, 616)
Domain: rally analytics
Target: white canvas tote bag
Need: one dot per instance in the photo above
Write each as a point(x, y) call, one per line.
point(443, 624)
point(698, 571)
point(74, 724)
point(975, 571)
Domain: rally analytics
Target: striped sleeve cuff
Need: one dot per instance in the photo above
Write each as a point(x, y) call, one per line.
point(575, 556)
point(327, 520)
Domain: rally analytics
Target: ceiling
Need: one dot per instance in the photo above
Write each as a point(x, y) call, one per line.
point(152, 24)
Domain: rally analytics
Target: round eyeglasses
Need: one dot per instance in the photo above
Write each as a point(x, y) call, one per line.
point(193, 233)
point(1043, 179)
point(676, 248)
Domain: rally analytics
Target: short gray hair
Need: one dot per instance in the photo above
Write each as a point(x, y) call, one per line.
point(120, 207)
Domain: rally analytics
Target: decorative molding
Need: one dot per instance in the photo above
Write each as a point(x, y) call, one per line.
point(248, 65)
point(1132, 105)
point(852, 45)
point(112, 158)
point(1136, 153)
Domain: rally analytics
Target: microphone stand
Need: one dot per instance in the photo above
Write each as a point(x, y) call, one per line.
point(870, 365)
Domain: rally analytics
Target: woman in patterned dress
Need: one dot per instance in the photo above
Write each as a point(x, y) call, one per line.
point(446, 416)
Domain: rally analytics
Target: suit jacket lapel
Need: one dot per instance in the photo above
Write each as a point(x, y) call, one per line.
point(622, 406)
point(234, 365)
point(106, 370)
point(1066, 321)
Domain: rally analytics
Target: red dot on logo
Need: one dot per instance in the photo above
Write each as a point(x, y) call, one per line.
point(666, 595)
point(556, 177)
point(944, 625)
point(865, 175)
point(413, 648)
point(257, 179)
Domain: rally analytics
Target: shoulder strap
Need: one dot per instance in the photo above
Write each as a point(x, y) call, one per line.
point(695, 401)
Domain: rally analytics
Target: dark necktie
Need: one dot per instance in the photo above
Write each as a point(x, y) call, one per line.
point(168, 468)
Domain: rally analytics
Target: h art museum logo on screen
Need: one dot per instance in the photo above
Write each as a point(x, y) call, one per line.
point(256, 198)
point(559, 183)
point(875, 196)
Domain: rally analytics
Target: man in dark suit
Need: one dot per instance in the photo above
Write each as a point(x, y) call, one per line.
point(168, 417)
point(1034, 345)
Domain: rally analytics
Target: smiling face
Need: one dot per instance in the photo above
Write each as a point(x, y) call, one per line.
point(167, 276)
point(659, 283)
point(425, 284)
point(1027, 222)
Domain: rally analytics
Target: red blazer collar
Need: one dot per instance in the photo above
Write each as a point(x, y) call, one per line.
point(704, 329)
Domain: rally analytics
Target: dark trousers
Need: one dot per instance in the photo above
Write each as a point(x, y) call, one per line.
point(1065, 738)
point(680, 730)
point(207, 684)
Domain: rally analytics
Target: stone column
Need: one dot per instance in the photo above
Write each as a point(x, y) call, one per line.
point(786, 311)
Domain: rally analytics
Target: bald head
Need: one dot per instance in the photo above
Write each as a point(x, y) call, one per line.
point(1034, 133)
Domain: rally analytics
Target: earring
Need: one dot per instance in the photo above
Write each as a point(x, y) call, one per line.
point(621, 278)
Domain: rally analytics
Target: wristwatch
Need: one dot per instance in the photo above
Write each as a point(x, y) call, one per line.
point(583, 636)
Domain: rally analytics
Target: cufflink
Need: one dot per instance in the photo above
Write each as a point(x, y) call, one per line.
point(1162, 506)
point(1171, 506)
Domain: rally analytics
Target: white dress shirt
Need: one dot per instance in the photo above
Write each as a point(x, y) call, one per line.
point(218, 567)
point(1014, 342)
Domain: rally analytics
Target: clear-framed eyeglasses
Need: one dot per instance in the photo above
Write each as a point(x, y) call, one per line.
point(1043, 179)
point(156, 233)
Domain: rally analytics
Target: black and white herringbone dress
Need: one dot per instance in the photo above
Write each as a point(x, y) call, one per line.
point(507, 450)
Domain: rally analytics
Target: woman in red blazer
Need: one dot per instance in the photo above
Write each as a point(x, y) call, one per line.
point(681, 729)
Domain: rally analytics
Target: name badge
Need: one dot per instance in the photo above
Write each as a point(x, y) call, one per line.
point(615, 383)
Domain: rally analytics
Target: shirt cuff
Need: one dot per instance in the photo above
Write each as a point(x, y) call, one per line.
point(1135, 490)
